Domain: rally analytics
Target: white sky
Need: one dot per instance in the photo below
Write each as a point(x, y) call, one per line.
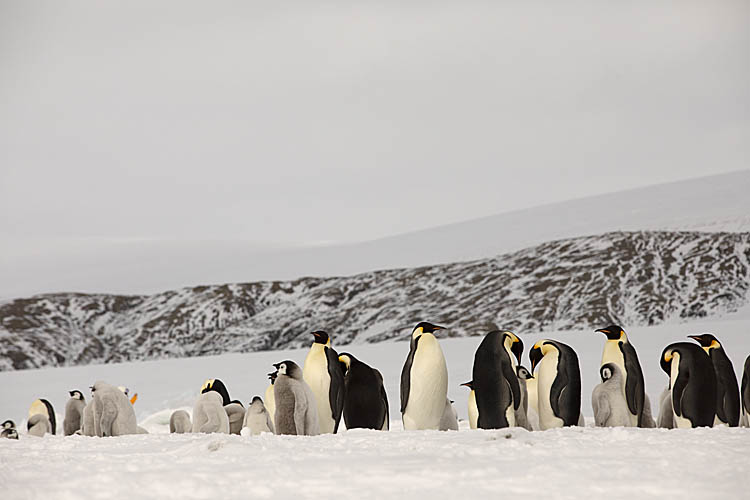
point(310, 122)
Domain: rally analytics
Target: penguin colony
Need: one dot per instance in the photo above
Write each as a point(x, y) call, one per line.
point(701, 391)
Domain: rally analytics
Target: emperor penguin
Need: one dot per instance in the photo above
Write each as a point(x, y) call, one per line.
point(322, 372)
point(619, 350)
point(424, 380)
point(727, 390)
point(473, 411)
point(9, 430)
point(113, 413)
point(746, 393)
point(496, 385)
point(270, 403)
point(532, 396)
point(208, 413)
point(365, 400)
point(449, 420)
point(88, 425)
point(8, 424)
point(74, 412)
point(179, 422)
point(236, 415)
point(41, 419)
point(296, 409)
point(558, 384)
point(693, 384)
point(257, 418)
point(666, 413)
point(608, 401)
point(522, 413)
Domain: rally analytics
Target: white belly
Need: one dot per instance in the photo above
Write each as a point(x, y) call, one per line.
point(546, 376)
point(429, 386)
point(680, 422)
point(270, 402)
point(316, 375)
point(473, 410)
point(531, 390)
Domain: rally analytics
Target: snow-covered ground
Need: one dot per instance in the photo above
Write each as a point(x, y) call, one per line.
point(566, 463)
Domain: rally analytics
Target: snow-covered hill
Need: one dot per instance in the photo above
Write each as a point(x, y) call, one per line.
point(640, 278)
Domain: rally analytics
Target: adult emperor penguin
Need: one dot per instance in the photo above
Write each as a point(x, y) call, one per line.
point(257, 418)
point(113, 413)
point(496, 386)
point(473, 411)
point(727, 391)
point(208, 413)
point(693, 384)
point(179, 422)
point(608, 401)
point(365, 400)
point(270, 402)
point(746, 394)
point(522, 413)
point(41, 419)
point(296, 409)
point(619, 350)
point(73, 412)
point(322, 372)
point(236, 415)
point(424, 380)
point(558, 383)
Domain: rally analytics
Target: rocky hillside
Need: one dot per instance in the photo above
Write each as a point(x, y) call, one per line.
point(633, 278)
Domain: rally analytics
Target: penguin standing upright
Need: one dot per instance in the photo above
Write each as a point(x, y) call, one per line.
point(746, 394)
point(522, 413)
point(365, 400)
point(322, 372)
point(619, 350)
point(692, 383)
point(41, 419)
point(424, 380)
point(496, 386)
point(73, 412)
point(113, 412)
point(179, 422)
point(296, 408)
point(88, 424)
point(257, 418)
point(608, 401)
point(532, 396)
point(209, 414)
point(472, 404)
point(558, 383)
point(727, 391)
point(236, 415)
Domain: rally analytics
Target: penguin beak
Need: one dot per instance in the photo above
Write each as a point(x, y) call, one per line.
point(276, 365)
point(697, 338)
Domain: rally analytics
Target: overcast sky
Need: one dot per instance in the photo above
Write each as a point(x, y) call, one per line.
point(343, 121)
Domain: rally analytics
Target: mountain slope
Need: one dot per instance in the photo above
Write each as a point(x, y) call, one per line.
point(640, 278)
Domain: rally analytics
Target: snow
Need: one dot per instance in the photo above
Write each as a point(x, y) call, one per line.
point(563, 463)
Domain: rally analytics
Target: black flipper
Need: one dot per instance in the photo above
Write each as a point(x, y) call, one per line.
point(384, 398)
point(51, 415)
point(565, 393)
point(728, 397)
point(336, 390)
point(406, 374)
point(683, 375)
point(746, 386)
point(634, 386)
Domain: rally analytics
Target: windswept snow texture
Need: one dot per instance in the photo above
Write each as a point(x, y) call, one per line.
point(635, 279)
point(565, 463)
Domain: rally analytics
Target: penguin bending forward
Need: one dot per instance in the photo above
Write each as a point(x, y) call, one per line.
point(113, 413)
point(257, 418)
point(296, 408)
point(558, 384)
point(472, 404)
point(322, 372)
point(746, 393)
point(41, 419)
point(692, 384)
point(424, 380)
point(365, 400)
point(74, 412)
point(495, 381)
point(209, 414)
point(619, 351)
point(179, 422)
point(727, 391)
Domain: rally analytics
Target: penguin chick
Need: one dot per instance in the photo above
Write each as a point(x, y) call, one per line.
point(449, 420)
point(257, 418)
point(208, 413)
point(10, 433)
point(608, 400)
point(236, 415)
point(113, 413)
point(522, 411)
point(9, 424)
point(296, 408)
point(179, 422)
point(666, 414)
point(73, 412)
point(88, 425)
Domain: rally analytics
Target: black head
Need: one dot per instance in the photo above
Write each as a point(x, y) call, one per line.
point(289, 368)
point(427, 327)
point(256, 399)
point(218, 386)
point(535, 355)
point(613, 332)
point(666, 360)
point(9, 424)
point(345, 360)
point(516, 346)
point(10, 433)
point(607, 371)
point(523, 373)
point(76, 394)
point(469, 384)
point(706, 340)
point(236, 401)
point(321, 337)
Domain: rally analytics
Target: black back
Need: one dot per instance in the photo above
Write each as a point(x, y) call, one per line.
point(51, 415)
point(336, 389)
point(366, 403)
point(727, 391)
point(746, 385)
point(635, 390)
point(694, 391)
point(495, 382)
point(565, 394)
point(406, 373)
